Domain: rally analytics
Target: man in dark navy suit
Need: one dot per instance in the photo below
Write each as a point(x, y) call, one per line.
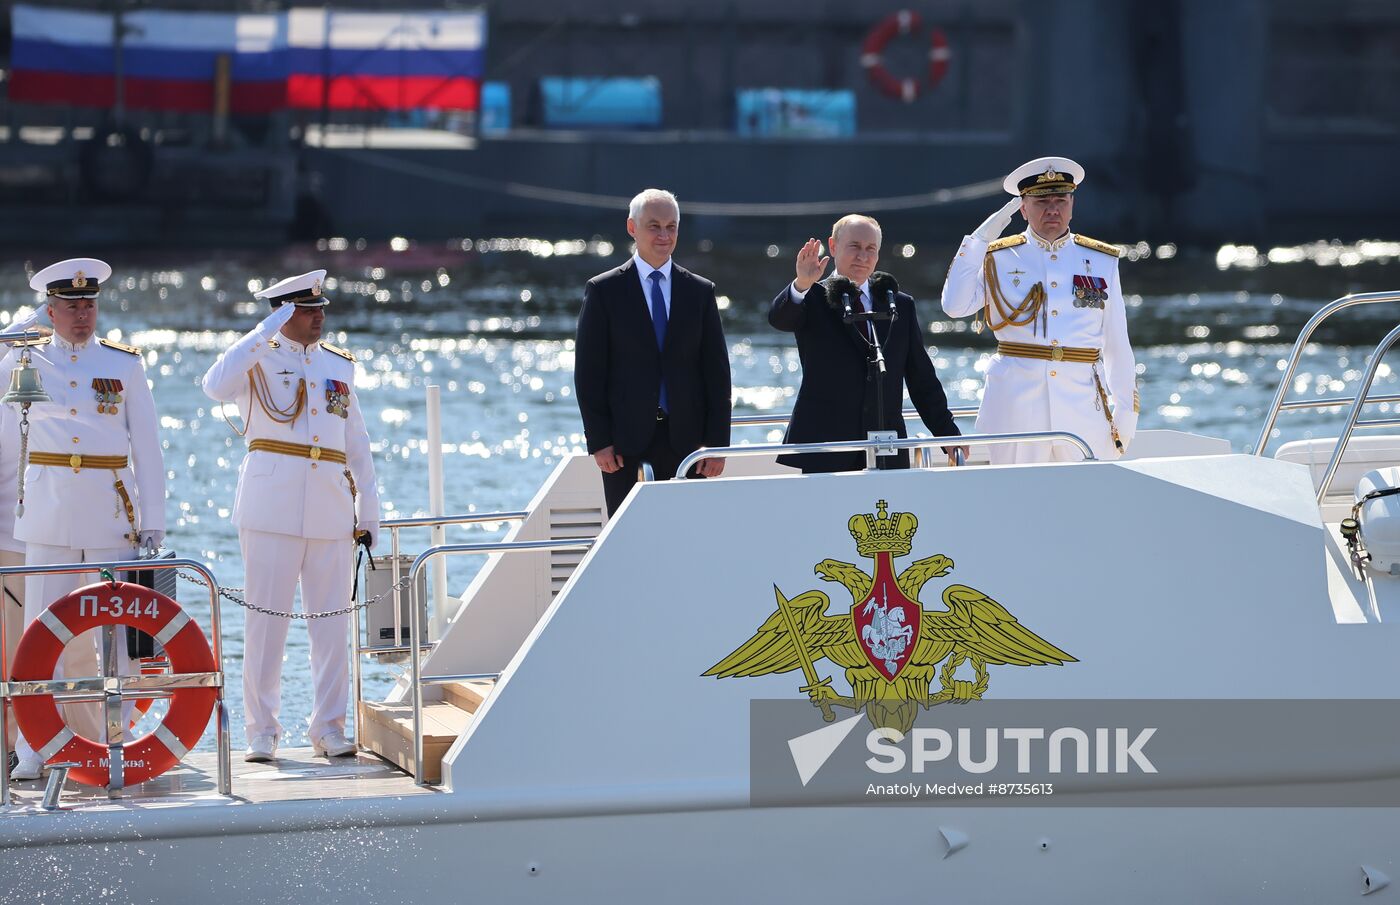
point(838, 399)
point(651, 365)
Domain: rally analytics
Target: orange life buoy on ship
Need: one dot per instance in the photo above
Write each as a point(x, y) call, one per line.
point(114, 603)
point(872, 56)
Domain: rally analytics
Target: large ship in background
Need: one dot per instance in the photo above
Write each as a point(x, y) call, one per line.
point(1239, 120)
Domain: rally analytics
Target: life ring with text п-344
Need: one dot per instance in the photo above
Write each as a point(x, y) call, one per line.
point(93, 606)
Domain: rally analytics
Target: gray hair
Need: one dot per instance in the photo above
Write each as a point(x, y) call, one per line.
point(857, 218)
point(650, 196)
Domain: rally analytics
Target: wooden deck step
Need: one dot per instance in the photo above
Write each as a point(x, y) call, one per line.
point(468, 695)
point(387, 730)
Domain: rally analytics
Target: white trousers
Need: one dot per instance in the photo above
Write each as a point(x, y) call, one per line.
point(80, 657)
point(273, 564)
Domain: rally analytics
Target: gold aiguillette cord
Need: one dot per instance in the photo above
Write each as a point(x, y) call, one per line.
point(1011, 315)
point(260, 391)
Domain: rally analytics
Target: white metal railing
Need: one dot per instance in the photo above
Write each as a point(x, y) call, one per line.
point(1354, 413)
point(113, 689)
point(785, 417)
point(870, 446)
point(418, 680)
point(394, 526)
point(1296, 354)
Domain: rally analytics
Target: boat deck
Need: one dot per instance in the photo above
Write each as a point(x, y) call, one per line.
point(297, 775)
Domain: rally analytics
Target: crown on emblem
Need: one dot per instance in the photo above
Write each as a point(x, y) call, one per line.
point(316, 288)
point(1049, 176)
point(883, 533)
point(79, 281)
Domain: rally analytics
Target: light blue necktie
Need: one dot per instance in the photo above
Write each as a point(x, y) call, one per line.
point(658, 323)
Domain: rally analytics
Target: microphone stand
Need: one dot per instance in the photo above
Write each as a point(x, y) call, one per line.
point(875, 458)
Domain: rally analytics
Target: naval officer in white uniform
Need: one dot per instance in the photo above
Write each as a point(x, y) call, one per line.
point(305, 486)
point(1053, 299)
point(95, 478)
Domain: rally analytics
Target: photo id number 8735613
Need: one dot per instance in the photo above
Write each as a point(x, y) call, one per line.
point(91, 605)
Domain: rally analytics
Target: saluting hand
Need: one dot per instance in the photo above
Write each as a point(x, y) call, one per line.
point(811, 265)
point(279, 316)
point(991, 227)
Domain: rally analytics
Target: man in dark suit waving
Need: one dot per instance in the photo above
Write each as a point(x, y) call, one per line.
point(839, 397)
point(651, 365)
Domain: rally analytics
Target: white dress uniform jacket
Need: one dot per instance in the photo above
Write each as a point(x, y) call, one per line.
point(283, 494)
point(1028, 394)
point(102, 406)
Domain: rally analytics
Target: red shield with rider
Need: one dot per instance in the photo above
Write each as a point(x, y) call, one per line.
point(887, 622)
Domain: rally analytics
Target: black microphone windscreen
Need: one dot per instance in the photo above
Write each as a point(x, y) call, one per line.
point(881, 283)
point(836, 287)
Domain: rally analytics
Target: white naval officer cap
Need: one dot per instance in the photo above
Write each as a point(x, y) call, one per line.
point(303, 290)
point(75, 278)
point(1044, 176)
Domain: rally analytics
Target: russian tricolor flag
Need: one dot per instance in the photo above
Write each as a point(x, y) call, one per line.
point(385, 61)
point(305, 57)
point(169, 59)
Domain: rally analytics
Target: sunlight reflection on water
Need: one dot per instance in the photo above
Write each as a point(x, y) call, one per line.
point(495, 332)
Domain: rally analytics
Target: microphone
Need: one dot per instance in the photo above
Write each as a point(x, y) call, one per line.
point(841, 288)
point(884, 283)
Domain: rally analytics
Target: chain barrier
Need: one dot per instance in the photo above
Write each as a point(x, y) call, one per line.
point(234, 595)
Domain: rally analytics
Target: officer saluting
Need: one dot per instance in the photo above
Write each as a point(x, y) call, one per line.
point(306, 484)
point(1053, 299)
point(94, 488)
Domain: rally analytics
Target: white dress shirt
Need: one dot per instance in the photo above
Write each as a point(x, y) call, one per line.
point(644, 272)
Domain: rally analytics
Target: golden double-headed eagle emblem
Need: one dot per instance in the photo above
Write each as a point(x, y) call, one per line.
point(889, 645)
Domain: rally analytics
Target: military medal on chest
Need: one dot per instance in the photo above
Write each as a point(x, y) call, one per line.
point(108, 392)
point(338, 398)
point(1090, 291)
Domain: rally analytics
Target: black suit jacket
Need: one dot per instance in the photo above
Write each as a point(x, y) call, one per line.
point(617, 367)
point(837, 400)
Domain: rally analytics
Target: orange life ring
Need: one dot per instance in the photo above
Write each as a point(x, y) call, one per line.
point(872, 57)
point(114, 603)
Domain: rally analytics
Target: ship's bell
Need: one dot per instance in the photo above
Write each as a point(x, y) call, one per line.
point(25, 387)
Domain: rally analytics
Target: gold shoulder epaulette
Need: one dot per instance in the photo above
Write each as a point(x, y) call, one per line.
point(337, 350)
point(42, 341)
point(120, 347)
point(1096, 245)
point(1007, 242)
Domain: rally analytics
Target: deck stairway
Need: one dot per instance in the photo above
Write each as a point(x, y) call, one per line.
point(386, 728)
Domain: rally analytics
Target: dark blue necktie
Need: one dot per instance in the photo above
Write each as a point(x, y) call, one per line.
point(658, 323)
